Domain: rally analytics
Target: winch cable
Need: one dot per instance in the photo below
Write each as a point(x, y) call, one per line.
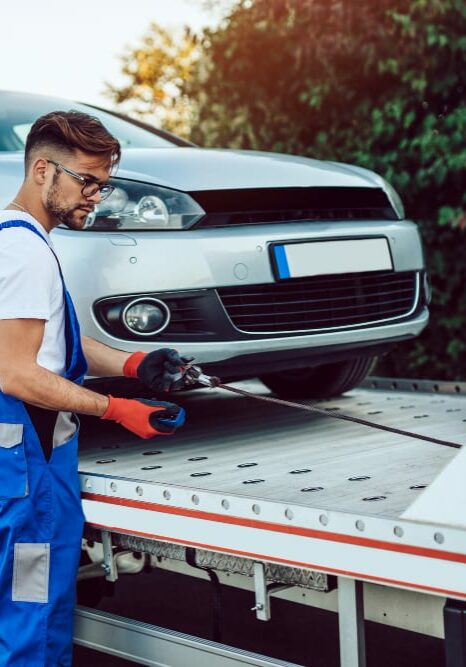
point(215, 382)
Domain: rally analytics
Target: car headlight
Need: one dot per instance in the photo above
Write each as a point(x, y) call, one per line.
point(139, 206)
point(395, 199)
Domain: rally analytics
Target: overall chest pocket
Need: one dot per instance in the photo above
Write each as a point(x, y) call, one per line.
point(13, 467)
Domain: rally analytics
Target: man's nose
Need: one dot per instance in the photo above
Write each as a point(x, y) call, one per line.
point(96, 198)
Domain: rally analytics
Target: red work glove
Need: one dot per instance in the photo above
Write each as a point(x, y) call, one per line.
point(161, 370)
point(146, 418)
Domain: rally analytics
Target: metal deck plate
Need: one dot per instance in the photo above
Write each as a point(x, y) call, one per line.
point(234, 445)
point(278, 485)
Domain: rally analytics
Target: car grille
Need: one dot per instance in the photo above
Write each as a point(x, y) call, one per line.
point(321, 302)
point(267, 206)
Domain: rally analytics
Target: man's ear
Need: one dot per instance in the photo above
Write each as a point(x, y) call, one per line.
point(38, 170)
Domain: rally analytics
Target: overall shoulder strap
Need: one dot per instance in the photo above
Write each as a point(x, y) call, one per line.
point(21, 223)
point(9, 224)
point(76, 366)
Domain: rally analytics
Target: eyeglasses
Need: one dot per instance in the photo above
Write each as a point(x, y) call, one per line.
point(90, 187)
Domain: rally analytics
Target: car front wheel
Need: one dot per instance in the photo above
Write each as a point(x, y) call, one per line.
point(319, 381)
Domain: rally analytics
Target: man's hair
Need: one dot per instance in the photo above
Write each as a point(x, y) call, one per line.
point(72, 130)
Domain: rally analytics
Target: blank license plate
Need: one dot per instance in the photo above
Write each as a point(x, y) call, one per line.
point(317, 258)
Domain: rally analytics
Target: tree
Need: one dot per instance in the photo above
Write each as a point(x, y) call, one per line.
point(157, 72)
point(379, 84)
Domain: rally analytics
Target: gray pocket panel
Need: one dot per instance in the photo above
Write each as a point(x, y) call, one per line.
point(13, 465)
point(31, 572)
point(65, 428)
point(11, 435)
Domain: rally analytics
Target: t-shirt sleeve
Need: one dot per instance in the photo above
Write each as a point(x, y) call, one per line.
point(26, 279)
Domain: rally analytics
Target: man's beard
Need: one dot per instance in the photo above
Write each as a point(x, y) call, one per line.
point(66, 215)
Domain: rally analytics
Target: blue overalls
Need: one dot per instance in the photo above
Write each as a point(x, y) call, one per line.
point(41, 522)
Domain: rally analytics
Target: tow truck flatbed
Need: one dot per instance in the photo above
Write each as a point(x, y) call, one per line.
point(276, 485)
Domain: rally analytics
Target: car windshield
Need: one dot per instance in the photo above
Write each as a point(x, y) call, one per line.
point(18, 111)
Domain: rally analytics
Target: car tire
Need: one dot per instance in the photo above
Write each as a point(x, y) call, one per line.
point(319, 381)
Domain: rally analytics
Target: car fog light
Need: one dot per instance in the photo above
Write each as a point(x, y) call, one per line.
point(146, 316)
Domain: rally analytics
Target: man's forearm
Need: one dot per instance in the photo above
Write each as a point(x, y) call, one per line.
point(103, 361)
point(35, 384)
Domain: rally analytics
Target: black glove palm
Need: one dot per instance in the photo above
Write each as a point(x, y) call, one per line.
point(165, 370)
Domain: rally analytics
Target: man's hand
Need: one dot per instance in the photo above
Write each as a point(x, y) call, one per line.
point(146, 418)
point(161, 370)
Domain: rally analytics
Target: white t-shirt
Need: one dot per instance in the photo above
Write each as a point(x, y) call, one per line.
point(31, 287)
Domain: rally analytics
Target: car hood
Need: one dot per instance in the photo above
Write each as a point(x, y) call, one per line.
point(196, 169)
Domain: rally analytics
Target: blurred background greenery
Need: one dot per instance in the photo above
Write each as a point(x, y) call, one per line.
point(378, 83)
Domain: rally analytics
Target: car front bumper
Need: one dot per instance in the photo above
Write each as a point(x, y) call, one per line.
point(101, 265)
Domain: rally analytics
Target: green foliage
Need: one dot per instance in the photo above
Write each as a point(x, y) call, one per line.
point(377, 83)
point(156, 72)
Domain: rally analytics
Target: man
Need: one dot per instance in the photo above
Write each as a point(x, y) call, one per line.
point(68, 160)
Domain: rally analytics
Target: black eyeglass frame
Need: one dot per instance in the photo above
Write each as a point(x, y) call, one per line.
point(105, 189)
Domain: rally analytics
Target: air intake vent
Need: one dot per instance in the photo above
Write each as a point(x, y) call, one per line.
point(322, 302)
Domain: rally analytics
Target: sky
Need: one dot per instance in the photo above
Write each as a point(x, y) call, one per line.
point(70, 48)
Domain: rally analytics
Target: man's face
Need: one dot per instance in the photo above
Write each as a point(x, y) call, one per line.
point(64, 199)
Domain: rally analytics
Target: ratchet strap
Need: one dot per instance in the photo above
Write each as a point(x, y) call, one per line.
point(216, 593)
point(334, 414)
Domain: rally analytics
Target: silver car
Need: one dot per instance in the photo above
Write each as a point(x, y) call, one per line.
point(293, 270)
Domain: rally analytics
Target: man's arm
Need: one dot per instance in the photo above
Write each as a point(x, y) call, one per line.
point(103, 361)
point(23, 378)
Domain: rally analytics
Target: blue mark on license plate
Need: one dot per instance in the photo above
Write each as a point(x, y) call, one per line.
point(282, 262)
